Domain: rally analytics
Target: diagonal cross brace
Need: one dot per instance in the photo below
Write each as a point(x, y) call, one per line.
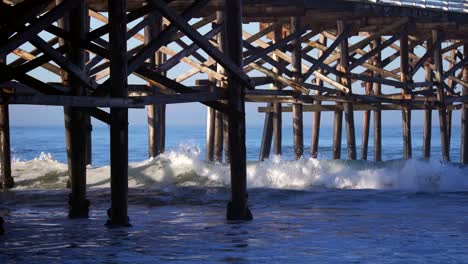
point(278, 45)
point(187, 50)
point(204, 44)
point(164, 37)
point(177, 87)
point(268, 59)
point(28, 80)
point(63, 62)
point(13, 18)
point(35, 27)
point(373, 52)
point(427, 55)
point(328, 52)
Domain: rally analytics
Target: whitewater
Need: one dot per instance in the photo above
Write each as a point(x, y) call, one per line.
point(185, 167)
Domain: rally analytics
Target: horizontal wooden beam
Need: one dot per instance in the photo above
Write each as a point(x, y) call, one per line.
point(90, 101)
point(358, 107)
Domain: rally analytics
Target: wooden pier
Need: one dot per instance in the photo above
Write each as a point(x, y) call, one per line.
point(296, 56)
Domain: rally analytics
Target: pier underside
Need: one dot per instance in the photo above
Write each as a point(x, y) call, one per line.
point(295, 56)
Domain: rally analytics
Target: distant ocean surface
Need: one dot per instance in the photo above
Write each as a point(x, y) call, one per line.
point(306, 211)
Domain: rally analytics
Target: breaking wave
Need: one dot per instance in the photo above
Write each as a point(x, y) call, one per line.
point(185, 167)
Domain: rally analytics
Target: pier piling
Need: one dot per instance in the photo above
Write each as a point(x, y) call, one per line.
point(377, 89)
point(237, 207)
point(427, 132)
point(156, 124)
point(118, 213)
point(267, 135)
point(317, 115)
point(405, 79)
point(75, 122)
point(277, 106)
point(296, 62)
point(464, 115)
point(6, 181)
point(348, 106)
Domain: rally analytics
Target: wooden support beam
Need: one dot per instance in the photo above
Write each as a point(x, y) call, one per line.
point(159, 80)
point(348, 107)
point(220, 137)
point(405, 78)
point(441, 96)
point(187, 51)
point(28, 80)
point(237, 207)
point(429, 54)
point(298, 123)
point(86, 116)
point(358, 107)
point(75, 125)
point(377, 89)
point(6, 180)
point(263, 52)
point(130, 102)
point(154, 112)
point(317, 115)
point(449, 93)
point(464, 115)
point(427, 133)
point(366, 118)
point(337, 131)
point(325, 54)
point(277, 114)
point(26, 56)
point(77, 73)
point(211, 119)
point(98, 114)
point(267, 136)
point(370, 54)
point(104, 29)
point(210, 130)
point(227, 151)
point(455, 68)
point(265, 59)
point(118, 213)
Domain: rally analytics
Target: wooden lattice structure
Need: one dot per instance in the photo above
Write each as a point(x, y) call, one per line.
point(310, 54)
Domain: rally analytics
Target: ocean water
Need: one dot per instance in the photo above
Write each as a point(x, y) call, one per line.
point(306, 211)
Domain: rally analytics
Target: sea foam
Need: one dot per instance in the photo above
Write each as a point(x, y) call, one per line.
point(185, 167)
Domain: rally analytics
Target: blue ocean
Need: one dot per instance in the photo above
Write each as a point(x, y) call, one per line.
point(305, 211)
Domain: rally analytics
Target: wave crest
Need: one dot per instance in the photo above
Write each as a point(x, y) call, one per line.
point(183, 167)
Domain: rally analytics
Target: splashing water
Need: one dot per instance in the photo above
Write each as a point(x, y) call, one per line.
point(183, 167)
